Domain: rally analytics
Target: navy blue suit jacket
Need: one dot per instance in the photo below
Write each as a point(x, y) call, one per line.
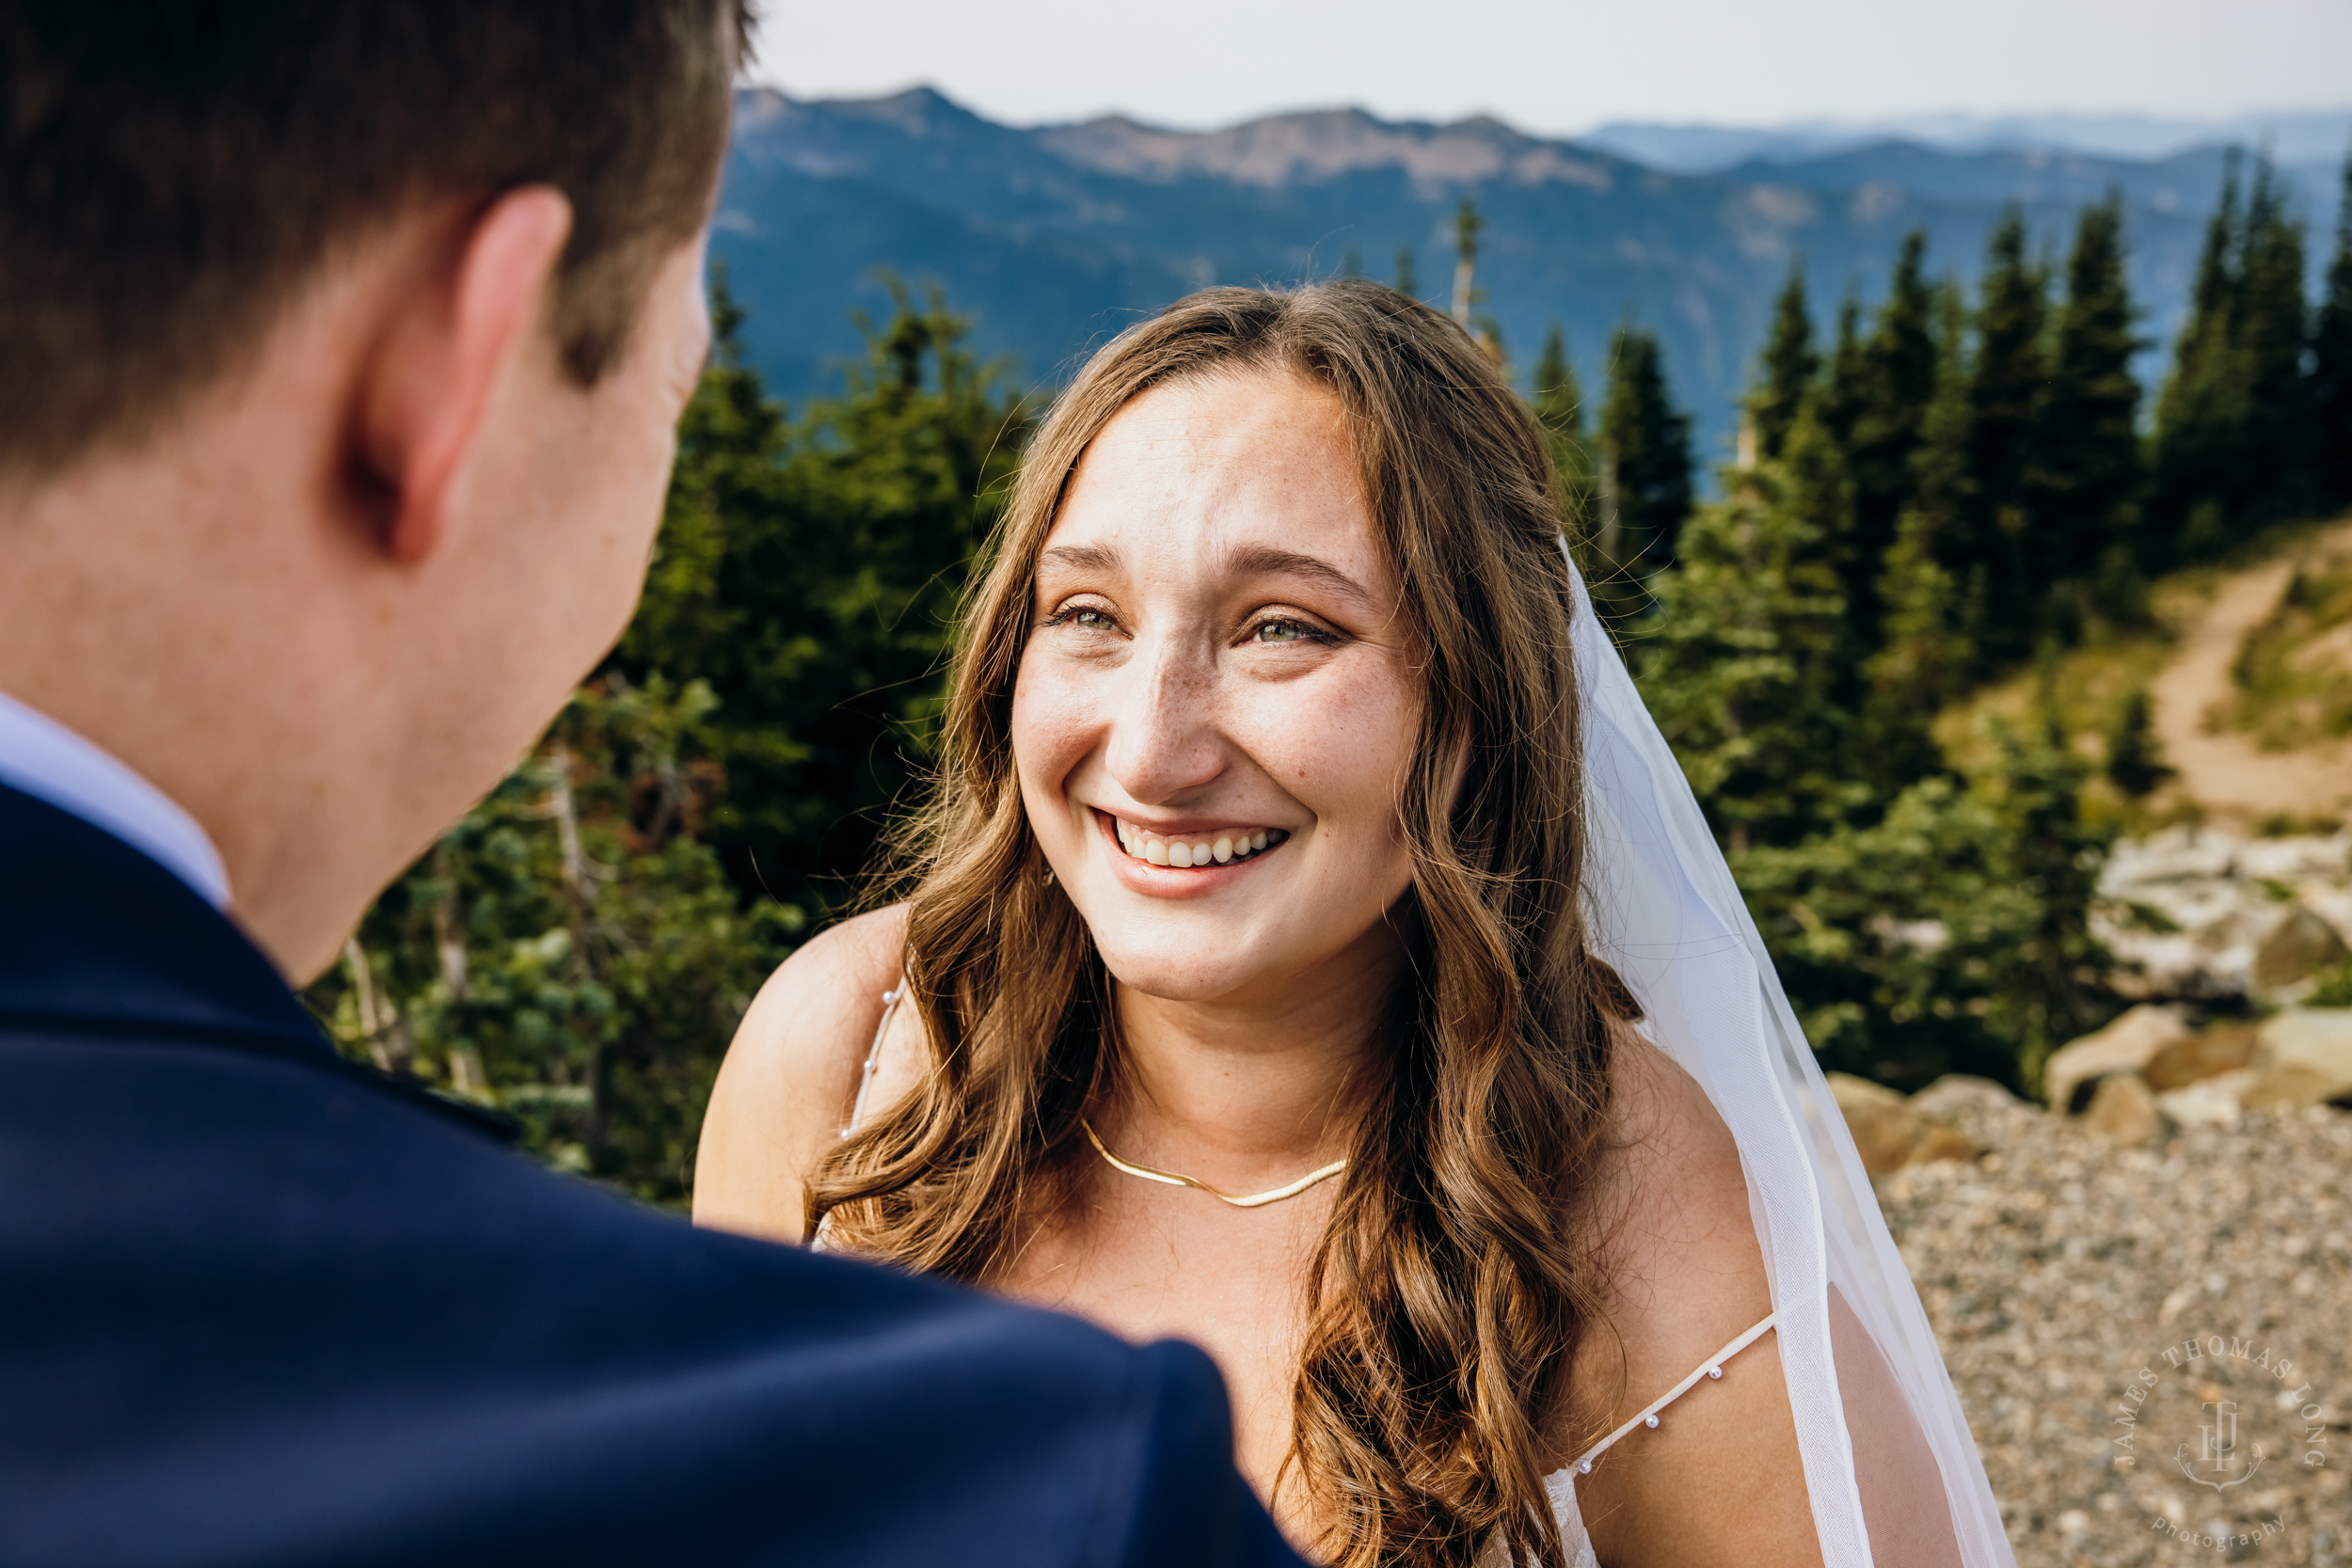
point(262, 1306)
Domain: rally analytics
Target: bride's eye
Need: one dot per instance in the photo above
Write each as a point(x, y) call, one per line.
point(1281, 630)
point(1085, 617)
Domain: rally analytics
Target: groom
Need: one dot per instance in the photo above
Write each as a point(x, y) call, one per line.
point(340, 345)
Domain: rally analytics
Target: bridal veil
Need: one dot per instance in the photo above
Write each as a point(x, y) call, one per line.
point(1664, 912)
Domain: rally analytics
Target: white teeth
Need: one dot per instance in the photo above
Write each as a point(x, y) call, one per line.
point(1221, 850)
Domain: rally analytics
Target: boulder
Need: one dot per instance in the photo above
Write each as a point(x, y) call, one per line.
point(1956, 1094)
point(2298, 946)
point(2209, 1102)
point(2304, 1055)
point(1890, 1132)
point(2208, 1054)
point(2123, 1111)
point(2125, 1045)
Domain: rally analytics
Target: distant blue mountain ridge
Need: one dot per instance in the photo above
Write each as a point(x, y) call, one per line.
point(1054, 238)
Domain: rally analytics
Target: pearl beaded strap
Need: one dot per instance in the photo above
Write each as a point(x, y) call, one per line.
point(1712, 1366)
point(865, 1082)
point(873, 1057)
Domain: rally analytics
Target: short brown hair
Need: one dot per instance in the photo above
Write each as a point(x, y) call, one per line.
point(173, 170)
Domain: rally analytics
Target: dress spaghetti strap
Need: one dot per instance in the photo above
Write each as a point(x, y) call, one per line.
point(891, 999)
point(1711, 1367)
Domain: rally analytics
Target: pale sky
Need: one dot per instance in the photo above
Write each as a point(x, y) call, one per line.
point(1561, 66)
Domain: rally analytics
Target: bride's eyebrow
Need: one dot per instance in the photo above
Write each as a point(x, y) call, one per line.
point(1272, 560)
point(1080, 558)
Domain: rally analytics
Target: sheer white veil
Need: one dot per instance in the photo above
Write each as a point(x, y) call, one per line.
point(1664, 912)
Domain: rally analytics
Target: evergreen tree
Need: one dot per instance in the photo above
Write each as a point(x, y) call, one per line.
point(2007, 391)
point(1407, 277)
point(1842, 393)
point(2200, 412)
point(2135, 765)
point(1742, 665)
point(1952, 935)
point(1897, 380)
point(809, 573)
point(1932, 581)
point(2332, 377)
point(2273, 325)
point(1559, 404)
point(1790, 365)
point(2087, 477)
point(2234, 423)
point(1646, 448)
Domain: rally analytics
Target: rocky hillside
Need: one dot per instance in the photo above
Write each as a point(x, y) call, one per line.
point(2189, 1182)
point(2068, 1273)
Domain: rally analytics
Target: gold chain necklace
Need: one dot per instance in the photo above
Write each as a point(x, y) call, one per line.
point(1255, 1200)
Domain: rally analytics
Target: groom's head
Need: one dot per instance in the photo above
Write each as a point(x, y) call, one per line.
point(341, 345)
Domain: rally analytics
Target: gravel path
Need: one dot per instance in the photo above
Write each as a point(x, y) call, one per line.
point(2056, 1268)
point(2226, 772)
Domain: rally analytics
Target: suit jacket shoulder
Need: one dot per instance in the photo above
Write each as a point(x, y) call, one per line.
point(257, 1305)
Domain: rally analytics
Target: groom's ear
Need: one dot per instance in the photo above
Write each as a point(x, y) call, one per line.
point(448, 331)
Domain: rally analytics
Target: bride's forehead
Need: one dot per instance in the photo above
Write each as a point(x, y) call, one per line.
point(1253, 422)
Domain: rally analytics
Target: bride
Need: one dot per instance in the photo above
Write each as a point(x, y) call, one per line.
point(1312, 951)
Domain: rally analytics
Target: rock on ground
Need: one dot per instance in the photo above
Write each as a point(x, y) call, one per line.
point(2057, 1266)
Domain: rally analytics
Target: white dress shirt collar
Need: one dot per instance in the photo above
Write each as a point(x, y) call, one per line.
point(42, 758)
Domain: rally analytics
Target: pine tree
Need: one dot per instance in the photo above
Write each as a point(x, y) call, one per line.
point(2006, 395)
point(2088, 476)
point(2135, 765)
point(1645, 445)
point(1842, 392)
point(1896, 379)
point(2200, 412)
point(2273, 329)
point(1466, 228)
point(1407, 277)
point(809, 573)
point(1932, 582)
point(1742, 665)
point(2332, 367)
point(1789, 365)
point(2235, 421)
point(1559, 404)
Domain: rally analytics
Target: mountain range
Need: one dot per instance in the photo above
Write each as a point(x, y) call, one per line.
point(1053, 238)
point(2293, 137)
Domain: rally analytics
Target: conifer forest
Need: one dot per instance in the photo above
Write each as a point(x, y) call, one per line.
point(1949, 489)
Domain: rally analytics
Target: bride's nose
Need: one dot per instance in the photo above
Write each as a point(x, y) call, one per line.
point(1164, 735)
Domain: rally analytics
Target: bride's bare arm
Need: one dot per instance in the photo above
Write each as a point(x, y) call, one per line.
point(785, 1091)
point(1720, 1480)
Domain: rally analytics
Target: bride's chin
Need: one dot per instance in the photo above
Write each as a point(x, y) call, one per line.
point(1181, 976)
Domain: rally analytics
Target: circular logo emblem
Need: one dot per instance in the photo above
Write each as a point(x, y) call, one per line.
point(2212, 1428)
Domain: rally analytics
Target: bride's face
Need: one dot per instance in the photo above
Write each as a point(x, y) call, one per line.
point(1214, 716)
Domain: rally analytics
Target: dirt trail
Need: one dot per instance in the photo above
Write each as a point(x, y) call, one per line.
point(2226, 773)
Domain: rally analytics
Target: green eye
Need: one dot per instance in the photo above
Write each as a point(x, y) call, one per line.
point(1281, 631)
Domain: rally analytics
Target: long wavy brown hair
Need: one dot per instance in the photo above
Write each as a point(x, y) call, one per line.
point(1453, 1276)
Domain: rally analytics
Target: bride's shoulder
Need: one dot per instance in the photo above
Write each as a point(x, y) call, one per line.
point(790, 1076)
point(1674, 1224)
point(1683, 1274)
